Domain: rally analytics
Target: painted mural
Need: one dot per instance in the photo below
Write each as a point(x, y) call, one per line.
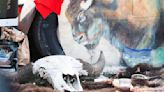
point(129, 25)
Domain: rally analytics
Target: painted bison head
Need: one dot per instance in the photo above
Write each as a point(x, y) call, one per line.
point(122, 22)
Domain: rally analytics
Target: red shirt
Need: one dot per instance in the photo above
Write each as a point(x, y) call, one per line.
point(45, 7)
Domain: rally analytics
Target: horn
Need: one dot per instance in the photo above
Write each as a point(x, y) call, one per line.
point(94, 69)
point(26, 74)
point(23, 75)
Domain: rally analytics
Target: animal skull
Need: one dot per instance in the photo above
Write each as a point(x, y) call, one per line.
point(63, 71)
point(60, 71)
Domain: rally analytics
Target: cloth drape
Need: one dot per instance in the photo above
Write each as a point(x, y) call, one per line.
point(45, 7)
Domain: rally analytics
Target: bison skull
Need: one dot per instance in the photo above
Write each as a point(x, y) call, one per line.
point(60, 71)
point(63, 71)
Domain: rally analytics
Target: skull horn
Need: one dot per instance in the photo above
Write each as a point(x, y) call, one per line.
point(94, 69)
point(23, 75)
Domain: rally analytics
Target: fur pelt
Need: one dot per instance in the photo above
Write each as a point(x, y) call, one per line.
point(30, 88)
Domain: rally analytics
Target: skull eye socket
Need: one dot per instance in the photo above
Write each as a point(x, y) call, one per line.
point(73, 80)
point(69, 78)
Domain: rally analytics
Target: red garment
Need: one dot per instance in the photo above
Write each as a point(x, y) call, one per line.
point(45, 7)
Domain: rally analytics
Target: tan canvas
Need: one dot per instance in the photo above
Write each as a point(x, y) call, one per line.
point(15, 35)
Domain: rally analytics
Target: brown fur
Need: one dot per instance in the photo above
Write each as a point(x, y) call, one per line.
point(30, 88)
